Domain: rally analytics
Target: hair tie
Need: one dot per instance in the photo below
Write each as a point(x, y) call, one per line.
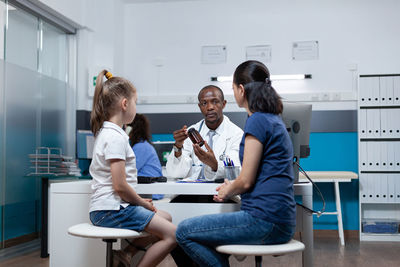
point(268, 81)
point(108, 75)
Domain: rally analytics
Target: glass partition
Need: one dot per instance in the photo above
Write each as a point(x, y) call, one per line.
point(33, 113)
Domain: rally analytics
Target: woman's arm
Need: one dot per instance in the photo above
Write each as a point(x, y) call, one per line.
point(123, 189)
point(253, 150)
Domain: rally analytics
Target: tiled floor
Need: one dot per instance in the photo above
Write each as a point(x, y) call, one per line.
point(327, 252)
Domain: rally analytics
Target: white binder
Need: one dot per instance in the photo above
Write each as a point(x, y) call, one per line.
point(389, 91)
point(370, 123)
point(377, 122)
point(384, 122)
point(376, 150)
point(375, 91)
point(383, 82)
point(391, 157)
point(363, 187)
point(370, 156)
point(396, 156)
point(363, 123)
point(364, 156)
point(384, 156)
point(397, 190)
point(396, 90)
point(391, 188)
point(370, 188)
point(363, 91)
point(383, 188)
point(396, 120)
point(391, 123)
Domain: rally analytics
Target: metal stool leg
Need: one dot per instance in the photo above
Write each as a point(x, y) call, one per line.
point(109, 252)
point(258, 261)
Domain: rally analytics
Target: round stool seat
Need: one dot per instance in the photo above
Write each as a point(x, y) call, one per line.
point(260, 250)
point(90, 231)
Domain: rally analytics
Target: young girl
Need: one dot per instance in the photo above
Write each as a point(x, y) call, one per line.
point(267, 214)
point(114, 202)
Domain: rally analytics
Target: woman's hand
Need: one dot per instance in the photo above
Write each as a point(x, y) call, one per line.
point(223, 191)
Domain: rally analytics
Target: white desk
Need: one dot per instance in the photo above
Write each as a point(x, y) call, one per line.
point(180, 211)
point(335, 177)
point(69, 205)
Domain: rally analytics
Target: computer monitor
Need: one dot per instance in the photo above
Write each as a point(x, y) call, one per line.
point(297, 118)
point(84, 144)
point(163, 149)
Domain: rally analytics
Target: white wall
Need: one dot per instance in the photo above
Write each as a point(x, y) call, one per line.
point(361, 33)
point(98, 44)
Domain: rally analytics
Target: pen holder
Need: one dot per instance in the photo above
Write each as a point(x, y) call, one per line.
point(231, 172)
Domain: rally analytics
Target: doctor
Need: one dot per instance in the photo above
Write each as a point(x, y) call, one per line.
point(222, 139)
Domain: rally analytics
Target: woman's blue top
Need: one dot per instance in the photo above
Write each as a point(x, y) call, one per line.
point(272, 196)
point(147, 162)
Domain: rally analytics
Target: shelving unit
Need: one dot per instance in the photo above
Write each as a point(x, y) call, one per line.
point(379, 152)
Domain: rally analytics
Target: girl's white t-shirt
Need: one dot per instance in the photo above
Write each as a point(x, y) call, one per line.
point(110, 143)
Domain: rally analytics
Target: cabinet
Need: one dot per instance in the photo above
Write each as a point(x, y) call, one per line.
point(379, 156)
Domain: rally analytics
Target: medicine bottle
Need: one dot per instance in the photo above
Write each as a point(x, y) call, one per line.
point(195, 136)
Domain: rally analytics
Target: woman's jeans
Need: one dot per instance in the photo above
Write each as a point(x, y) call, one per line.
point(199, 236)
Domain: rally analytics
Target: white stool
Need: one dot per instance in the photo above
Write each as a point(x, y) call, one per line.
point(108, 235)
point(260, 250)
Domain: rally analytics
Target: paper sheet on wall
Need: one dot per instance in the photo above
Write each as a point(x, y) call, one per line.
point(213, 54)
point(259, 52)
point(307, 50)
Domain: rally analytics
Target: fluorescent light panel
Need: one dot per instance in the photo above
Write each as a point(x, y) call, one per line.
point(273, 77)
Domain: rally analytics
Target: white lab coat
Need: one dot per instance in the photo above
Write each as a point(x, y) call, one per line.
point(226, 141)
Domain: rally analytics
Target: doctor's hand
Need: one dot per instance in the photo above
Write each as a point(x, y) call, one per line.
point(207, 157)
point(222, 191)
point(180, 136)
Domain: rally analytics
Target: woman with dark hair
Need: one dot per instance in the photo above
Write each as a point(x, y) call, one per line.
point(147, 162)
point(265, 183)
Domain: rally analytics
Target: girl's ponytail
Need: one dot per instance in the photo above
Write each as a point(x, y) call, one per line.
point(98, 115)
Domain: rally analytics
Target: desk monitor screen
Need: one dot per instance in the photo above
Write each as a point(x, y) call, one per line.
point(297, 118)
point(163, 149)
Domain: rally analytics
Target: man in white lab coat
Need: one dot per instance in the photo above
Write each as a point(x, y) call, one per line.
point(222, 140)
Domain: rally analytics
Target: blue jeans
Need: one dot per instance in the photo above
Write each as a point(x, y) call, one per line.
point(132, 218)
point(199, 236)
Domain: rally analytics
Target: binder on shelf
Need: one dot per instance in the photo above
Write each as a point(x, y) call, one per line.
point(370, 123)
point(384, 156)
point(363, 187)
point(391, 157)
point(363, 156)
point(396, 90)
point(383, 83)
point(384, 122)
point(371, 187)
point(363, 123)
point(375, 91)
point(397, 188)
point(396, 127)
point(376, 153)
point(396, 156)
point(383, 181)
point(391, 188)
point(376, 122)
point(363, 91)
point(370, 157)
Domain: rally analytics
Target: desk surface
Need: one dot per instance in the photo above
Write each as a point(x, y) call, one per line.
point(172, 188)
point(329, 176)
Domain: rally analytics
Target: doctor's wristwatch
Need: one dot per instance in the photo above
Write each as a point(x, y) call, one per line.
point(177, 149)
